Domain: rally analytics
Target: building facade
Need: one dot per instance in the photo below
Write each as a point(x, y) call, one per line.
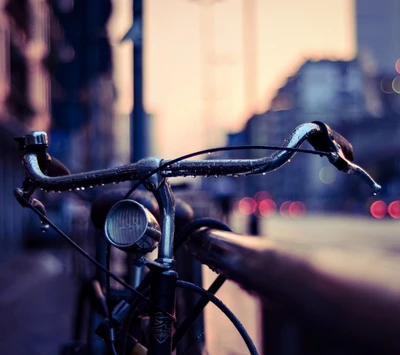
point(344, 96)
point(56, 76)
point(378, 28)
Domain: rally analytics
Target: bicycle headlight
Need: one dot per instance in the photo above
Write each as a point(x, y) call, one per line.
point(130, 226)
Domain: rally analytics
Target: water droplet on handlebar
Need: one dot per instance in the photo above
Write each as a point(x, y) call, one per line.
point(215, 176)
point(289, 160)
point(193, 176)
point(77, 188)
point(264, 173)
point(45, 227)
point(90, 187)
point(82, 188)
point(235, 175)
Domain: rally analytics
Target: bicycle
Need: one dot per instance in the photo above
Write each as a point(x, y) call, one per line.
point(131, 227)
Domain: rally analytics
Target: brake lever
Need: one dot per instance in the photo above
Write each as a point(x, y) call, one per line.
point(30, 202)
point(338, 159)
point(364, 176)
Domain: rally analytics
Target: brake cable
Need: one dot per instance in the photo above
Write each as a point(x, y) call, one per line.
point(221, 149)
point(86, 255)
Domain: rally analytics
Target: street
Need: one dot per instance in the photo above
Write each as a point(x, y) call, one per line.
point(36, 301)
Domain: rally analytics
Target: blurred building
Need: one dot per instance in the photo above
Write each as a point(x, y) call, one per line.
point(82, 89)
point(55, 75)
point(359, 98)
point(25, 46)
point(378, 28)
point(350, 100)
point(24, 103)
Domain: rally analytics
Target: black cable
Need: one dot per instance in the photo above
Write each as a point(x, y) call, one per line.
point(235, 321)
point(113, 349)
point(197, 309)
point(108, 281)
point(221, 149)
point(91, 259)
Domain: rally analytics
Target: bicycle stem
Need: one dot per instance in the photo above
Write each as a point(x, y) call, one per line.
point(166, 202)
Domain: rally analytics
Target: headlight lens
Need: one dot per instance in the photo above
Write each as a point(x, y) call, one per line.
point(131, 226)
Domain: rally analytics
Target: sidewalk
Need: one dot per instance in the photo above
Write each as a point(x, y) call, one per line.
point(36, 303)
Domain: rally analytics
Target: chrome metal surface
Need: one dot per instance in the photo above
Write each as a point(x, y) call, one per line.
point(36, 138)
point(364, 176)
point(130, 226)
point(166, 201)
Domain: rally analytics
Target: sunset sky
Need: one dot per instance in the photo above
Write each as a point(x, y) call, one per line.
point(176, 77)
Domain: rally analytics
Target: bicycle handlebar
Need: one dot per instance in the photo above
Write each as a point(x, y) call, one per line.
point(318, 134)
point(321, 137)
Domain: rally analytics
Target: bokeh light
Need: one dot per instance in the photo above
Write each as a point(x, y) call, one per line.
point(378, 209)
point(262, 195)
point(396, 84)
point(394, 209)
point(284, 209)
point(297, 209)
point(267, 207)
point(247, 206)
point(397, 65)
point(328, 174)
point(386, 85)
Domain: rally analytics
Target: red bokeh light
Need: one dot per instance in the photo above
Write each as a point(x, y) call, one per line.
point(262, 195)
point(397, 65)
point(378, 209)
point(297, 209)
point(247, 206)
point(267, 207)
point(284, 209)
point(394, 209)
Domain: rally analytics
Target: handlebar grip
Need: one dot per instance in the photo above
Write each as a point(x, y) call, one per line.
point(324, 141)
point(54, 167)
